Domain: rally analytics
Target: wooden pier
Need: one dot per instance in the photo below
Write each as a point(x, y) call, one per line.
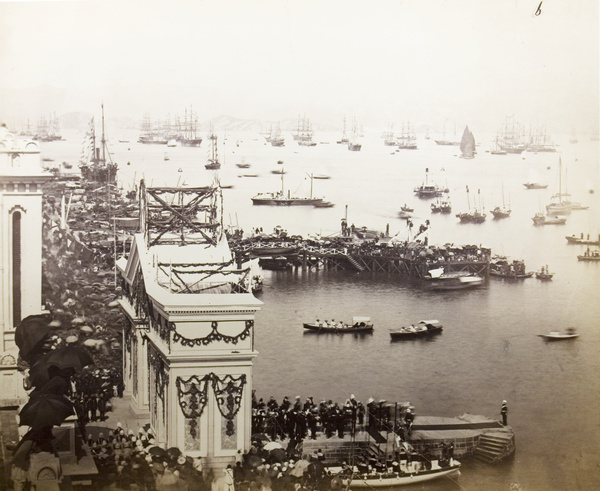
point(411, 260)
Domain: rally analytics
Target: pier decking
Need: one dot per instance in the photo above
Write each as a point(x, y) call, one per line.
point(413, 259)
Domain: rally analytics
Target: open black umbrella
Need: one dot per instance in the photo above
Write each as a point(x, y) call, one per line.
point(68, 357)
point(157, 452)
point(31, 333)
point(260, 437)
point(277, 455)
point(57, 385)
point(46, 410)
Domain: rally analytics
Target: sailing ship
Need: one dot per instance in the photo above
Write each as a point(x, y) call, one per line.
point(497, 150)
point(501, 211)
point(512, 137)
point(427, 190)
point(188, 130)
point(445, 142)
point(280, 199)
point(151, 133)
point(407, 139)
point(275, 138)
point(95, 162)
point(354, 145)
point(467, 144)
point(47, 129)
point(304, 133)
point(344, 140)
point(213, 161)
point(573, 239)
point(388, 137)
point(558, 205)
point(539, 141)
point(476, 215)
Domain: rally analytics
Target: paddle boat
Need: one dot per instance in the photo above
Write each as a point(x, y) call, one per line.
point(557, 336)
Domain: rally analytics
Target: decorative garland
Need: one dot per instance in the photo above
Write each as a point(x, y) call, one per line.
point(193, 396)
point(162, 327)
point(228, 393)
point(214, 335)
point(161, 378)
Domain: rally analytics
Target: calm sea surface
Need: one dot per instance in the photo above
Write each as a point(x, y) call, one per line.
point(489, 350)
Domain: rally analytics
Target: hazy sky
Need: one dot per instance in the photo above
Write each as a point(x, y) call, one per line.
point(473, 61)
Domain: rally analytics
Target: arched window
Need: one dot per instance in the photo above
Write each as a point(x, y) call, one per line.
point(16, 266)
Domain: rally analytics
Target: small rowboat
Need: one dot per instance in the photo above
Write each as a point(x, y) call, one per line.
point(359, 325)
point(557, 336)
point(410, 475)
point(422, 329)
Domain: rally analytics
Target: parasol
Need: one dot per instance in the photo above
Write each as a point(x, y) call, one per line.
point(46, 410)
point(68, 357)
point(277, 455)
point(260, 437)
point(271, 446)
point(57, 385)
point(32, 331)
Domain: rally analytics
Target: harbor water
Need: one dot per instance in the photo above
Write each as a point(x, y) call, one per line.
point(489, 350)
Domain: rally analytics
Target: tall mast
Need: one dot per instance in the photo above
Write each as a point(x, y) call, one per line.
point(103, 138)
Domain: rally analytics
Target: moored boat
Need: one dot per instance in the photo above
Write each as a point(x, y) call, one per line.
point(427, 190)
point(421, 329)
point(359, 325)
point(573, 239)
point(589, 255)
point(557, 336)
point(409, 473)
point(439, 280)
point(541, 219)
point(535, 185)
point(280, 199)
point(544, 274)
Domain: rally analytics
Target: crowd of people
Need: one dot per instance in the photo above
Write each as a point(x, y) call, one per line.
point(298, 420)
point(92, 390)
point(131, 460)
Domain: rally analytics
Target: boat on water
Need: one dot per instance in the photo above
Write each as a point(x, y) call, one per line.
point(573, 239)
point(172, 143)
point(353, 144)
point(359, 325)
point(589, 255)
point(422, 329)
point(535, 185)
point(541, 219)
point(439, 280)
point(407, 208)
point(247, 175)
point(407, 139)
point(429, 190)
point(324, 204)
point(512, 140)
point(276, 139)
point(570, 333)
point(96, 163)
point(279, 263)
point(476, 215)
point(213, 161)
point(409, 474)
point(321, 176)
point(243, 165)
point(441, 206)
point(344, 140)
point(304, 133)
point(166, 157)
point(448, 143)
point(467, 144)
point(544, 274)
point(280, 199)
point(558, 205)
point(501, 268)
point(501, 211)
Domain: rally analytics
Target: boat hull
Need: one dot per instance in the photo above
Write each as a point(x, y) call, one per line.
point(393, 480)
point(396, 335)
point(338, 330)
point(286, 201)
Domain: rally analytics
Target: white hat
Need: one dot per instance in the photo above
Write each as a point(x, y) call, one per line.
point(371, 399)
point(351, 396)
point(503, 402)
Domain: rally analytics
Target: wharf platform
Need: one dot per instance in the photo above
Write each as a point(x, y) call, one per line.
point(413, 259)
point(472, 435)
